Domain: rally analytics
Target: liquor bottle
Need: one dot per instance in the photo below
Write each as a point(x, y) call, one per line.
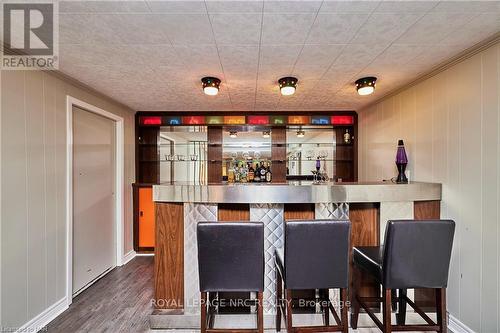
point(263, 173)
point(257, 173)
point(251, 173)
point(244, 173)
point(269, 175)
point(347, 136)
point(230, 173)
point(237, 174)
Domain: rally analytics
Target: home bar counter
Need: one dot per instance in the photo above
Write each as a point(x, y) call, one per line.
point(180, 206)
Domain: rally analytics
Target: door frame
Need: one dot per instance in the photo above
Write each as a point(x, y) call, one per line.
point(119, 181)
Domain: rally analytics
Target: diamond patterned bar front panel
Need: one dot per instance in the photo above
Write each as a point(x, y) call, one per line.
point(193, 213)
point(337, 211)
point(272, 217)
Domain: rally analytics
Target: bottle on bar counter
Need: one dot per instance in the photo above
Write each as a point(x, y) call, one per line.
point(269, 175)
point(243, 172)
point(257, 173)
point(230, 173)
point(251, 172)
point(237, 173)
point(263, 171)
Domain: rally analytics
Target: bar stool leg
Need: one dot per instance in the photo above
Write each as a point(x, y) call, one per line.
point(260, 312)
point(279, 295)
point(203, 303)
point(325, 298)
point(288, 316)
point(401, 315)
point(441, 309)
point(343, 310)
point(354, 300)
point(387, 304)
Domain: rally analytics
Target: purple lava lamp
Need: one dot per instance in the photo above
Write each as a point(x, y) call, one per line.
point(401, 162)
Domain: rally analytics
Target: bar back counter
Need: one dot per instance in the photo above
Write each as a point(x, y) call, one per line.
point(180, 206)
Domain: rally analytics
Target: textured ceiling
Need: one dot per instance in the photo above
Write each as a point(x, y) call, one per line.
point(151, 55)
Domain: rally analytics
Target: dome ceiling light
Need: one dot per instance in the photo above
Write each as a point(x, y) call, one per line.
point(210, 85)
point(288, 85)
point(366, 85)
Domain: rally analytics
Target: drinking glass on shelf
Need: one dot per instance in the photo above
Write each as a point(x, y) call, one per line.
point(169, 157)
point(181, 157)
point(193, 157)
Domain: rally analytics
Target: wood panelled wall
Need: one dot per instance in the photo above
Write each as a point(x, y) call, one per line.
point(451, 127)
point(33, 189)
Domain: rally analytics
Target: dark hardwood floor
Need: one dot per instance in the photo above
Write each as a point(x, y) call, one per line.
point(119, 302)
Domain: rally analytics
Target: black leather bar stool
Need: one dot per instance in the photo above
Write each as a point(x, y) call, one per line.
point(416, 254)
point(230, 259)
point(315, 256)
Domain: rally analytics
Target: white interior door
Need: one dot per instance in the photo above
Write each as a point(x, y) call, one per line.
point(93, 197)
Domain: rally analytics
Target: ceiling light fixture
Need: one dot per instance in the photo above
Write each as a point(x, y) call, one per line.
point(366, 85)
point(288, 85)
point(301, 134)
point(233, 134)
point(210, 85)
point(266, 134)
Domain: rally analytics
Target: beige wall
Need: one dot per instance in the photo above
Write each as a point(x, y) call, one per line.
point(450, 124)
point(33, 185)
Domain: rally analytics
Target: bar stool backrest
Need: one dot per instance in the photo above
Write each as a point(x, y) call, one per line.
point(231, 256)
point(317, 254)
point(417, 253)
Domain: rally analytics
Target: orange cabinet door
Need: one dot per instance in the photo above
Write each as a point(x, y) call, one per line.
point(146, 218)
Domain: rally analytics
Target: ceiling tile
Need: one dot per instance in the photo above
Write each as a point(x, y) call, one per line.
point(286, 28)
point(202, 59)
point(348, 6)
point(433, 27)
point(103, 7)
point(335, 28)
point(229, 6)
point(294, 6)
point(126, 29)
point(186, 28)
point(236, 28)
point(74, 28)
point(405, 6)
point(383, 28)
point(397, 55)
point(314, 60)
point(277, 61)
point(239, 61)
point(177, 6)
point(469, 6)
point(478, 29)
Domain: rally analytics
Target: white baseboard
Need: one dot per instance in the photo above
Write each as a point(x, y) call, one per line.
point(40, 321)
point(129, 256)
point(456, 326)
point(145, 255)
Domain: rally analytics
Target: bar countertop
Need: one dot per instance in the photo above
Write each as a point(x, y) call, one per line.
point(296, 192)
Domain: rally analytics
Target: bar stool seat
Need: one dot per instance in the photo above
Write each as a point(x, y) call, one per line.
point(370, 259)
point(416, 254)
point(315, 256)
point(230, 259)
